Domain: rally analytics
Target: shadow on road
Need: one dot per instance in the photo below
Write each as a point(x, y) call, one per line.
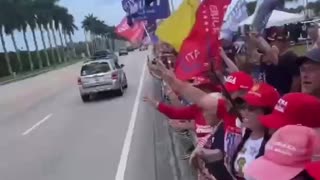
point(100, 97)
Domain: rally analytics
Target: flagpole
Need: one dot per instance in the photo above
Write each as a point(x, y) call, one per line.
point(172, 6)
point(145, 29)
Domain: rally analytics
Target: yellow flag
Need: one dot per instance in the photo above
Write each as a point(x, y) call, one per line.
point(177, 27)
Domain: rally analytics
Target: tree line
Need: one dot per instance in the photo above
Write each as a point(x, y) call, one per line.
point(97, 30)
point(37, 16)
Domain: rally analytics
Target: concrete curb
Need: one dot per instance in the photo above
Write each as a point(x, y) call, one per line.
point(178, 146)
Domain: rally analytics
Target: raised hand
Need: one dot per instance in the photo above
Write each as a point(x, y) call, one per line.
point(223, 53)
point(166, 74)
point(151, 101)
point(153, 70)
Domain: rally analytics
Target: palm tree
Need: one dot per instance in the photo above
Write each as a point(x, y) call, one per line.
point(11, 24)
point(54, 40)
point(44, 44)
point(18, 15)
point(98, 30)
point(88, 24)
point(25, 14)
point(24, 31)
point(41, 12)
point(3, 19)
point(69, 27)
point(5, 50)
point(69, 49)
point(32, 24)
point(9, 27)
point(45, 26)
point(58, 28)
point(59, 14)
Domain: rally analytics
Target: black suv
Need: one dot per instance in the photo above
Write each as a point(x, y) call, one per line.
point(105, 54)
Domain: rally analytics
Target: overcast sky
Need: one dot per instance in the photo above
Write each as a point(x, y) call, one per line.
point(108, 10)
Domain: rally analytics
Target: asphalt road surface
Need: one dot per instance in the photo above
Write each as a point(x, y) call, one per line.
point(48, 133)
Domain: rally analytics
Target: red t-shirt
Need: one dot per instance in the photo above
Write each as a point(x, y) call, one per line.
point(233, 134)
point(193, 112)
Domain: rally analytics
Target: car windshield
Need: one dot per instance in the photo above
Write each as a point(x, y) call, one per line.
point(95, 68)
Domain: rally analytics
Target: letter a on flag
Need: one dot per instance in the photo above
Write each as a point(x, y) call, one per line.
point(177, 27)
point(202, 43)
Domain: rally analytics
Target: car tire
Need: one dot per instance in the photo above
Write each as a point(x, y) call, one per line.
point(120, 91)
point(126, 82)
point(85, 98)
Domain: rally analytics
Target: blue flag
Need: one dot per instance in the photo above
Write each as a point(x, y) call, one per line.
point(236, 12)
point(159, 9)
point(151, 10)
point(263, 12)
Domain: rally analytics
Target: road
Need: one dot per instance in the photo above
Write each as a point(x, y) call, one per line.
point(48, 133)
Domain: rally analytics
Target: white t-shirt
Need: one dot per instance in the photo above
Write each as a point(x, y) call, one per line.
point(247, 154)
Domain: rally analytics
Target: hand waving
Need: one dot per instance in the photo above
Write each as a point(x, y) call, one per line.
point(223, 53)
point(151, 101)
point(166, 74)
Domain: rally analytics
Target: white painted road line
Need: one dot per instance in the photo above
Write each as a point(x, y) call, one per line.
point(128, 139)
point(36, 125)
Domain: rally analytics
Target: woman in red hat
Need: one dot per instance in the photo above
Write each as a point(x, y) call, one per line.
point(288, 156)
point(219, 107)
point(260, 100)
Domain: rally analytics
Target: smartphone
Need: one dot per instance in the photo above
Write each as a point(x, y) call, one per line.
point(166, 58)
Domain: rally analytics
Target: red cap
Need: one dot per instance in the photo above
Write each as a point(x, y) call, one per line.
point(238, 81)
point(294, 108)
point(314, 170)
point(286, 154)
point(262, 95)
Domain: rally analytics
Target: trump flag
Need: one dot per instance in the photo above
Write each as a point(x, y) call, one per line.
point(133, 34)
point(202, 43)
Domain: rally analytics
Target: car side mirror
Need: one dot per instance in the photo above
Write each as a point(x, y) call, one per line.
point(121, 65)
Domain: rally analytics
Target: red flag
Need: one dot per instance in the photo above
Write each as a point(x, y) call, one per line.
point(193, 58)
point(133, 34)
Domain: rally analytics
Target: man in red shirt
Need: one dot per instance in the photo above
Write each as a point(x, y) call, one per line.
point(237, 84)
point(193, 112)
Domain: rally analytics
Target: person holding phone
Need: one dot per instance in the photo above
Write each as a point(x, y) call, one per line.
point(277, 62)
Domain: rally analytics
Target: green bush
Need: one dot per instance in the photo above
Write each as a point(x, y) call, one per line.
point(25, 62)
point(80, 48)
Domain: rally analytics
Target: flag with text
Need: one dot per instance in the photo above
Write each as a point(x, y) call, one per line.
point(202, 44)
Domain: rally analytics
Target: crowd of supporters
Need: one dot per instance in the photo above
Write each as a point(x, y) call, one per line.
point(258, 118)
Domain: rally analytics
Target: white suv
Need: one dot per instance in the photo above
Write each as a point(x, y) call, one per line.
point(101, 75)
